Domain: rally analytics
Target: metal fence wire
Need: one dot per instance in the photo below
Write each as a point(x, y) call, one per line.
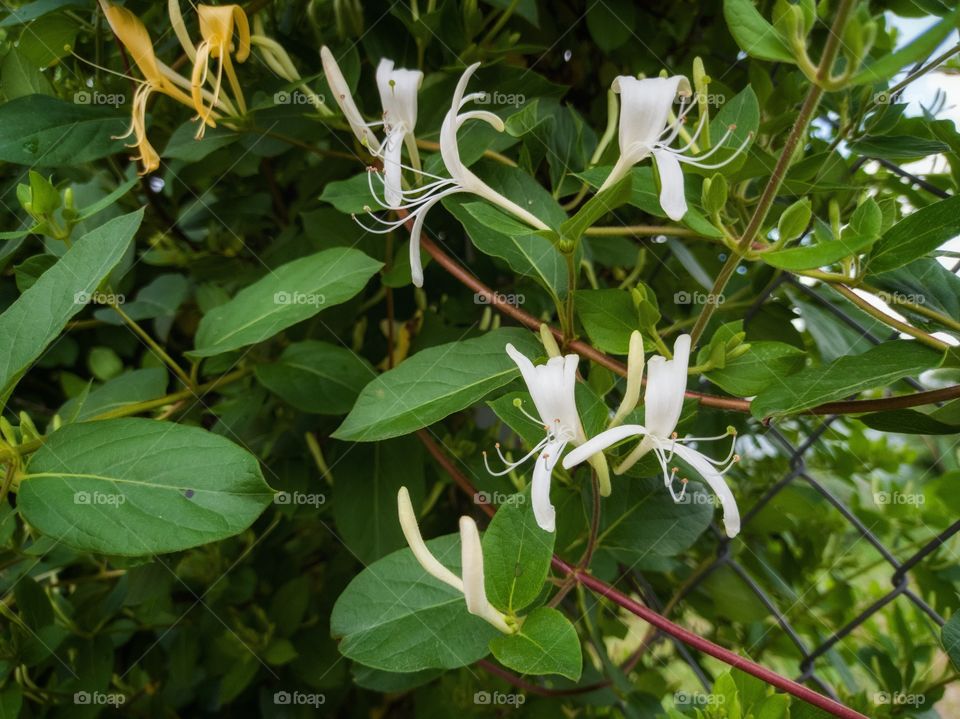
point(810, 653)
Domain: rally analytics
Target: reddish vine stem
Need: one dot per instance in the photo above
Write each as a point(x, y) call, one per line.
point(706, 646)
point(649, 615)
point(709, 400)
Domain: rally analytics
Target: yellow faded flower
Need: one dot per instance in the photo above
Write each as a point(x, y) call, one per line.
point(157, 78)
point(217, 25)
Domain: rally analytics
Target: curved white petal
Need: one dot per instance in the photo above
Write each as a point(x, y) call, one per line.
point(672, 199)
point(600, 442)
point(398, 94)
point(341, 93)
point(543, 510)
point(666, 385)
point(471, 563)
point(645, 107)
point(474, 591)
point(731, 513)
point(450, 153)
point(552, 388)
point(411, 531)
point(392, 169)
point(631, 395)
point(416, 269)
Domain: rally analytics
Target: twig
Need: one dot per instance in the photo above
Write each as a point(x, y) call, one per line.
point(735, 404)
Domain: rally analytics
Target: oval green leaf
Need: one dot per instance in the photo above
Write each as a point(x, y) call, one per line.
point(289, 294)
point(136, 487)
point(395, 617)
point(435, 383)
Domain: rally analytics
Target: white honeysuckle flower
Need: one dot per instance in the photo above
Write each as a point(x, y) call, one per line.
point(631, 395)
point(646, 129)
point(552, 387)
point(341, 93)
point(398, 97)
point(419, 200)
point(474, 591)
point(666, 385)
point(471, 560)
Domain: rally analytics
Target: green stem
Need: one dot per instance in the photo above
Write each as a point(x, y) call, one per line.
point(501, 21)
point(147, 405)
point(797, 133)
point(879, 314)
point(153, 345)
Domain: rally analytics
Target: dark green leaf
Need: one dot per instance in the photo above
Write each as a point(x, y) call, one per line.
point(516, 555)
point(42, 131)
point(877, 367)
point(136, 487)
point(289, 294)
point(317, 377)
point(395, 617)
point(547, 643)
point(433, 384)
point(36, 318)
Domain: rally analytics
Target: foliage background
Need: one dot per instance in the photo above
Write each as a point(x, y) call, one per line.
point(220, 628)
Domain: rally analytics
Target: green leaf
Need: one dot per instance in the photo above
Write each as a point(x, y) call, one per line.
point(317, 377)
point(877, 367)
point(35, 319)
point(596, 207)
point(916, 234)
point(644, 523)
point(365, 505)
point(794, 219)
point(753, 33)
point(611, 23)
point(433, 384)
point(763, 365)
point(105, 202)
point(20, 77)
point(922, 47)
point(395, 617)
point(45, 40)
point(516, 554)
point(646, 196)
point(547, 643)
point(136, 385)
point(908, 421)
point(32, 10)
point(135, 487)
point(184, 145)
point(820, 254)
point(896, 147)
point(950, 636)
point(351, 196)
point(42, 131)
point(742, 113)
point(496, 233)
point(609, 317)
point(287, 295)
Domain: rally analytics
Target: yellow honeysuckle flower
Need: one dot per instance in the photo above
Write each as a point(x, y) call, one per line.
point(217, 25)
point(157, 78)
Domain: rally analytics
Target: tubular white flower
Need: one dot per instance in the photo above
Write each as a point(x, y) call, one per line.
point(552, 387)
point(474, 591)
point(666, 384)
point(471, 561)
point(419, 200)
point(411, 531)
point(398, 97)
point(341, 93)
point(631, 395)
point(646, 130)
